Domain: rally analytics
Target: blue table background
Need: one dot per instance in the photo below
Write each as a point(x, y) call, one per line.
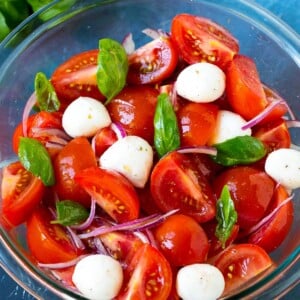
point(289, 12)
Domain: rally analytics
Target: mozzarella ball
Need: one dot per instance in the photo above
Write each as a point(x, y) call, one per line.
point(98, 277)
point(200, 281)
point(201, 82)
point(132, 156)
point(84, 117)
point(228, 126)
point(283, 165)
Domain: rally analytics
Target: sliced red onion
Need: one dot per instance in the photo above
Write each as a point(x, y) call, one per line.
point(99, 246)
point(119, 130)
point(31, 102)
point(151, 238)
point(138, 224)
point(142, 237)
point(201, 150)
point(128, 43)
point(53, 145)
point(262, 114)
point(292, 123)
point(48, 132)
point(154, 33)
point(75, 239)
point(62, 265)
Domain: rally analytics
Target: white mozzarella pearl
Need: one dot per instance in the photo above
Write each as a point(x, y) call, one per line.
point(84, 117)
point(283, 165)
point(131, 156)
point(201, 82)
point(200, 281)
point(228, 126)
point(98, 277)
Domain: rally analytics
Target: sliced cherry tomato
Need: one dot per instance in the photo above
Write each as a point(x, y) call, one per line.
point(77, 77)
point(182, 240)
point(104, 138)
point(47, 242)
point(153, 62)
point(251, 190)
point(244, 89)
point(177, 183)
point(240, 263)
point(197, 122)
point(113, 192)
point(134, 109)
point(74, 157)
point(200, 39)
point(273, 232)
point(21, 192)
point(148, 276)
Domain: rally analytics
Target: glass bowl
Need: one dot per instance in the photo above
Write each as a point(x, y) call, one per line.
point(41, 44)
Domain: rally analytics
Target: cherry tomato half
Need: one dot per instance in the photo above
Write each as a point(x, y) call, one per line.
point(104, 138)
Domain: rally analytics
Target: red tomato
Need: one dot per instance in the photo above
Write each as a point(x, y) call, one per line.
point(134, 109)
point(21, 192)
point(182, 240)
point(240, 263)
point(113, 192)
point(177, 183)
point(250, 189)
point(272, 233)
point(104, 138)
point(153, 62)
point(199, 39)
point(244, 89)
point(148, 276)
point(197, 122)
point(48, 243)
point(74, 157)
point(77, 77)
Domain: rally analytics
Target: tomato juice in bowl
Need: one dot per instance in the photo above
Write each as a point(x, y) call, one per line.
point(42, 46)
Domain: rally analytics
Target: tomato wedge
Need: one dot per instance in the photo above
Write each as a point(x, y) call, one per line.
point(240, 263)
point(21, 192)
point(200, 39)
point(104, 138)
point(153, 62)
point(177, 183)
point(113, 192)
point(148, 276)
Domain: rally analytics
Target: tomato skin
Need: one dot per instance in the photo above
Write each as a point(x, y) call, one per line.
point(21, 193)
point(70, 161)
point(148, 276)
point(113, 192)
point(239, 263)
point(272, 234)
point(133, 108)
point(153, 62)
point(200, 39)
point(48, 243)
point(104, 138)
point(182, 240)
point(244, 89)
point(251, 190)
point(176, 183)
point(77, 77)
point(197, 122)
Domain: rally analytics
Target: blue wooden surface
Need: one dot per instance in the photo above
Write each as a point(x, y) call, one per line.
point(289, 12)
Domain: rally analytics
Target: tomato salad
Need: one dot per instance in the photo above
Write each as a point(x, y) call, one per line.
point(162, 172)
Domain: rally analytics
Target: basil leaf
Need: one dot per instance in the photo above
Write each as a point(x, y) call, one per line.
point(46, 95)
point(4, 29)
point(70, 213)
point(239, 150)
point(166, 132)
point(226, 216)
point(112, 68)
point(35, 158)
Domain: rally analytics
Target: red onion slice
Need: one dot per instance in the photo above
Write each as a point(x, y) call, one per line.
point(119, 130)
point(62, 265)
point(292, 123)
point(31, 102)
point(142, 237)
point(201, 150)
point(75, 239)
point(154, 33)
point(128, 43)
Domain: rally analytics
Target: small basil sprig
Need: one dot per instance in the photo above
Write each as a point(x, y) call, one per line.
point(70, 213)
point(166, 132)
point(46, 96)
point(226, 216)
point(112, 68)
point(241, 150)
point(35, 158)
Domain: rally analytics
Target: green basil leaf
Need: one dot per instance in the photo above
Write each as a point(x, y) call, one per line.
point(166, 132)
point(35, 158)
point(112, 68)
point(46, 95)
point(241, 150)
point(4, 29)
point(70, 213)
point(226, 216)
